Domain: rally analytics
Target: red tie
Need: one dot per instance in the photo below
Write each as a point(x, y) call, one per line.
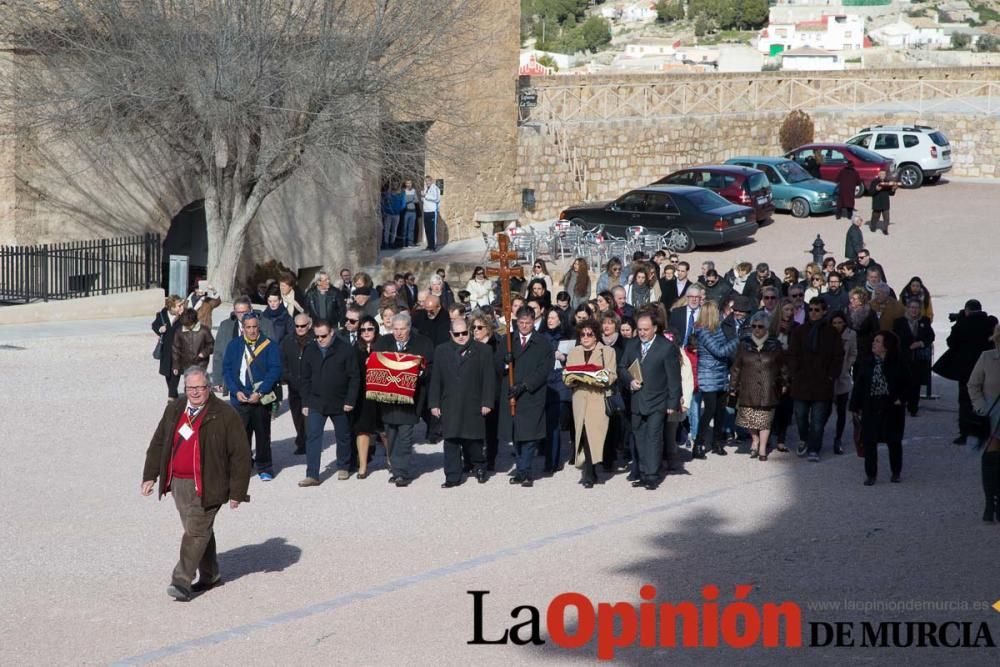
point(524, 341)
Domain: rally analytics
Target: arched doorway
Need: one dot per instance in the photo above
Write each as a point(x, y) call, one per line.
point(187, 236)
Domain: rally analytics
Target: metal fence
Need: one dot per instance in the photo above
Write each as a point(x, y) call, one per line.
point(79, 268)
point(583, 102)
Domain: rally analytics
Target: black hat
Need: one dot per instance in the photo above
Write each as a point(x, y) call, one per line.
point(973, 305)
point(743, 304)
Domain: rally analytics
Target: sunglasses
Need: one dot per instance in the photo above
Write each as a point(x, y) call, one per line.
point(795, 296)
point(770, 298)
point(350, 321)
point(456, 334)
point(815, 310)
point(757, 326)
point(478, 327)
point(323, 336)
point(587, 334)
point(301, 326)
point(367, 329)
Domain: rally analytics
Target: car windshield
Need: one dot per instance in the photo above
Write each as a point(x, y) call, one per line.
point(865, 154)
point(758, 182)
point(793, 172)
point(938, 138)
point(706, 200)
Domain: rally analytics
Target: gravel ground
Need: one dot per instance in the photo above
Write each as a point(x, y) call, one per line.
point(358, 572)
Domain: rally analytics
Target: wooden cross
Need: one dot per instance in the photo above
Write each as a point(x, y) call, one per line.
point(504, 272)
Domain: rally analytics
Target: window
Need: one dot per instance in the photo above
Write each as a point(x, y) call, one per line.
point(910, 140)
point(683, 178)
point(771, 174)
point(860, 140)
point(633, 201)
point(938, 138)
point(659, 202)
point(832, 156)
point(758, 182)
point(886, 142)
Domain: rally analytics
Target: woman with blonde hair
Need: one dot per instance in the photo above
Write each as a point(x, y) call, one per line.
point(715, 354)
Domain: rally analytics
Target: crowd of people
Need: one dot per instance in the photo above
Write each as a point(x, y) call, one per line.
point(638, 369)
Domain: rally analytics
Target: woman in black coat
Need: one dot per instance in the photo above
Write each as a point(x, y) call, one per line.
point(484, 331)
point(365, 419)
point(916, 336)
point(881, 386)
point(165, 326)
point(863, 321)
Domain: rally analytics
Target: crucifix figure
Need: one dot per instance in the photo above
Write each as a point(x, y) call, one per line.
point(504, 272)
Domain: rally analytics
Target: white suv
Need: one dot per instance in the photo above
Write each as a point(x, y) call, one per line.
point(921, 153)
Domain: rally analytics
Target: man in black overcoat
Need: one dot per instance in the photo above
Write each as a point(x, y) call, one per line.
point(532, 358)
point(400, 418)
point(658, 394)
point(461, 393)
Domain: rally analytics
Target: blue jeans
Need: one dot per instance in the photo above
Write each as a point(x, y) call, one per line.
point(694, 414)
point(810, 417)
point(524, 453)
point(390, 224)
point(409, 224)
point(314, 441)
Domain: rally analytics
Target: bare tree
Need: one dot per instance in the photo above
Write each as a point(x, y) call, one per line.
point(237, 92)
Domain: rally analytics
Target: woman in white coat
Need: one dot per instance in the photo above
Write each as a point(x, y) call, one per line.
point(480, 288)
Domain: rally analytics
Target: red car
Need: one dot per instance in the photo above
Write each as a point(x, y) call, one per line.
point(825, 161)
point(745, 186)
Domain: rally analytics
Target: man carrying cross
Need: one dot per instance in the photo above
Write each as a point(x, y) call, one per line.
point(525, 359)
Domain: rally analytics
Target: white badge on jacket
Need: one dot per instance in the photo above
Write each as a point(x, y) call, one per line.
point(185, 431)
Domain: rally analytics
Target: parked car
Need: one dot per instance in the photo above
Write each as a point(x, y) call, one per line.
point(793, 188)
point(694, 216)
point(831, 158)
point(740, 185)
point(920, 152)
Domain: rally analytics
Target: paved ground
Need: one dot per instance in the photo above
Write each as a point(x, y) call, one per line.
point(358, 572)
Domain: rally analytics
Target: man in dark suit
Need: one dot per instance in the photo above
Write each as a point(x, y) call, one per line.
point(682, 319)
point(331, 387)
point(855, 240)
point(761, 278)
point(671, 290)
point(349, 332)
point(410, 290)
point(461, 394)
point(401, 418)
point(532, 358)
point(658, 394)
point(292, 349)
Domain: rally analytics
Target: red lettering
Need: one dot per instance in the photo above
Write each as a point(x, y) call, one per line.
point(555, 620)
point(710, 616)
point(773, 614)
point(647, 617)
point(607, 640)
point(669, 613)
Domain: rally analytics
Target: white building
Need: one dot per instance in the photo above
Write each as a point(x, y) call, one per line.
point(912, 32)
point(562, 61)
point(643, 11)
point(835, 32)
point(808, 58)
point(651, 47)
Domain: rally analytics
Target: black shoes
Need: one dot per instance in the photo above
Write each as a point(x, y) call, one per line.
point(392, 479)
point(516, 479)
point(960, 440)
point(401, 482)
point(587, 484)
point(450, 485)
point(202, 586)
point(527, 483)
point(698, 452)
point(637, 483)
point(300, 451)
point(481, 476)
point(894, 479)
point(838, 449)
point(991, 510)
point(179, 593)
point(718, 450)
point(869, 481)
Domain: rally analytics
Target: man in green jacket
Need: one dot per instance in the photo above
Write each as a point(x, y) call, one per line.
point(201, 455)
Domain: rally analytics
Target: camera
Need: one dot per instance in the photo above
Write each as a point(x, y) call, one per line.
point(953, 317)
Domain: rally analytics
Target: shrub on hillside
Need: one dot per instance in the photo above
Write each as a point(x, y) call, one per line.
point(796, 129)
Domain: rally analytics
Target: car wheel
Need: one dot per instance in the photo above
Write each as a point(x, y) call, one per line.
point(678, 239)
point(859, 190)
point(800, 208)
point(931, 180)
point(911, 176)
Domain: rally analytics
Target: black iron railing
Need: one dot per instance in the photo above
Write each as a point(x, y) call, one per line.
point(79, 268)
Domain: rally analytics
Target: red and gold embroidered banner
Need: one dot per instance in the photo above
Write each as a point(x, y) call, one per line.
point(392, 377)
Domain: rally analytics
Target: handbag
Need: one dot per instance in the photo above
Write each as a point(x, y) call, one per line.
point(614, 404)
point(158, 349)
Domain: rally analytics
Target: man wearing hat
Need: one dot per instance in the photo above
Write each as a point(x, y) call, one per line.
point(970, 336)
point(736, 322)
point(363, 298)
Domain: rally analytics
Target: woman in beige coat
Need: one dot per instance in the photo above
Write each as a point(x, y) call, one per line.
point(984, 390)
point(589, 414)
